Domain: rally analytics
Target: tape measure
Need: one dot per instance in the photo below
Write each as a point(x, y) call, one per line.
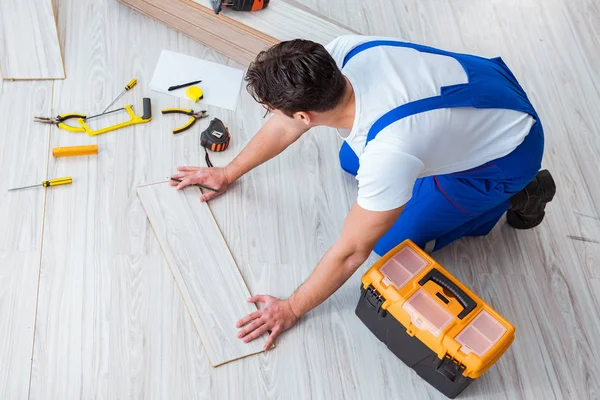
point(214, 138)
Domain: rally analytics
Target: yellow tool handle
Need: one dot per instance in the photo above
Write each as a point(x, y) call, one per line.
point(131, 84)
point(71, 151)
point(184, 127)
point(187, 111)
point(73, 115)
point(70, 128)
point(58, 181)
point(146, 117)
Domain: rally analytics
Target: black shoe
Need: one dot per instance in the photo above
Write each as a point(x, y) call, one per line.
point(527, 206)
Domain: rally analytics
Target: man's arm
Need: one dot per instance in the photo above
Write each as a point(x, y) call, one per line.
point(273, 137)
point(361, 232)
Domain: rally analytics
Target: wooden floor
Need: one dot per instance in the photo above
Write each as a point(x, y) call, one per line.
point(89, 308)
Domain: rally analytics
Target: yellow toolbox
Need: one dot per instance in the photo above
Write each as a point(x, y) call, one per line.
point(430, 320)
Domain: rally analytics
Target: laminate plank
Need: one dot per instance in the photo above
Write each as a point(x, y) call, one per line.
point(240, 35)
point(517, 298)
point(209, 280)
point(595, 284)
point(19, 274)
point(201, 26)
point(29, 46)
point(23, 160)
point(155, 349)
point(285, 21)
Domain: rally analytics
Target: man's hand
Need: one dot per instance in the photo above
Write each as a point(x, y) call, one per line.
point(277, 316)
point(215, 178)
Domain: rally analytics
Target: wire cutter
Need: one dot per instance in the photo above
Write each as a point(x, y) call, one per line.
point(60, 119)
point(194, 116)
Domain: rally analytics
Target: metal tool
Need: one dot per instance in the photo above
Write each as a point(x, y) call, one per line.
point(239, 5)
point(135, 119)
point(196, 184)
point(82, 118)
point(194, 116)
point(60, 119)
point(104, 113)
point(128, 87)
point(52, 182)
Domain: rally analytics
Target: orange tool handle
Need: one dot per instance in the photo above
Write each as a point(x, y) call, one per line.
point(71, 151)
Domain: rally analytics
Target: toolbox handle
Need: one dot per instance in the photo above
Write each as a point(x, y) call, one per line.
point(467, 302)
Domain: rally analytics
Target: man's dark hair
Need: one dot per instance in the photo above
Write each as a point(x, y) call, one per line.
point(296, 75)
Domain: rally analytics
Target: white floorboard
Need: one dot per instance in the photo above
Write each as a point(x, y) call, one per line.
point(29, 45)
point(23, 162)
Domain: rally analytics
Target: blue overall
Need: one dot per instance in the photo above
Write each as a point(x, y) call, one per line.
point(444, 208)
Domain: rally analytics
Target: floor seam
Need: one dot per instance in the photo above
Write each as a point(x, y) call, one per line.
point(37, 297)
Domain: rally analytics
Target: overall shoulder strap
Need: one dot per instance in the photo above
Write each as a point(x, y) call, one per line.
point(491, 85)
point(393, 43)
point(451, 96)
point(459, 93)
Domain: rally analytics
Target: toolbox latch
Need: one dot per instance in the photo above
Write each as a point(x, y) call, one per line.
point(374, 298)
point(450, 368)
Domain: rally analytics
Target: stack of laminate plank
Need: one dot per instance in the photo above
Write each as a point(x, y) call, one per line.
point(241, 35)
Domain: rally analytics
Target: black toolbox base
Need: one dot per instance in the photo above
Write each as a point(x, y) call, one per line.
point(445, 375)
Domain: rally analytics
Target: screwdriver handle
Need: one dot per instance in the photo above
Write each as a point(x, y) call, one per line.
point(58, 181)
point(131, 84)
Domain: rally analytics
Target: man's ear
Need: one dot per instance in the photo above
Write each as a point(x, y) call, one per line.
point(303, 116)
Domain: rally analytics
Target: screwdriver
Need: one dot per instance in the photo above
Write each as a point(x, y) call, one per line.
point(51, 182)
point(129, 86)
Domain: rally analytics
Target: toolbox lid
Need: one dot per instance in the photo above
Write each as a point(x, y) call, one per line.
point(426, 314)
point(402, 267)
point(481, 334)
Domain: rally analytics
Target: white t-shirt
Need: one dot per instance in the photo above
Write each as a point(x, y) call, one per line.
point(430, 143)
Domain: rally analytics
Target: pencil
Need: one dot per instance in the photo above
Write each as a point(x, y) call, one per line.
point(197, 184)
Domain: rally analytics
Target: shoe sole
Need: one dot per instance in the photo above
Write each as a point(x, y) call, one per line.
point(518, 222)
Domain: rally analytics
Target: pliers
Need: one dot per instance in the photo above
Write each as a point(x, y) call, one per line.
point(59, 121)
point(186, 111)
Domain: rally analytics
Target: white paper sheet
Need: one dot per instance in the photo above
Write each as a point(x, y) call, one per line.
point(220, 84)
